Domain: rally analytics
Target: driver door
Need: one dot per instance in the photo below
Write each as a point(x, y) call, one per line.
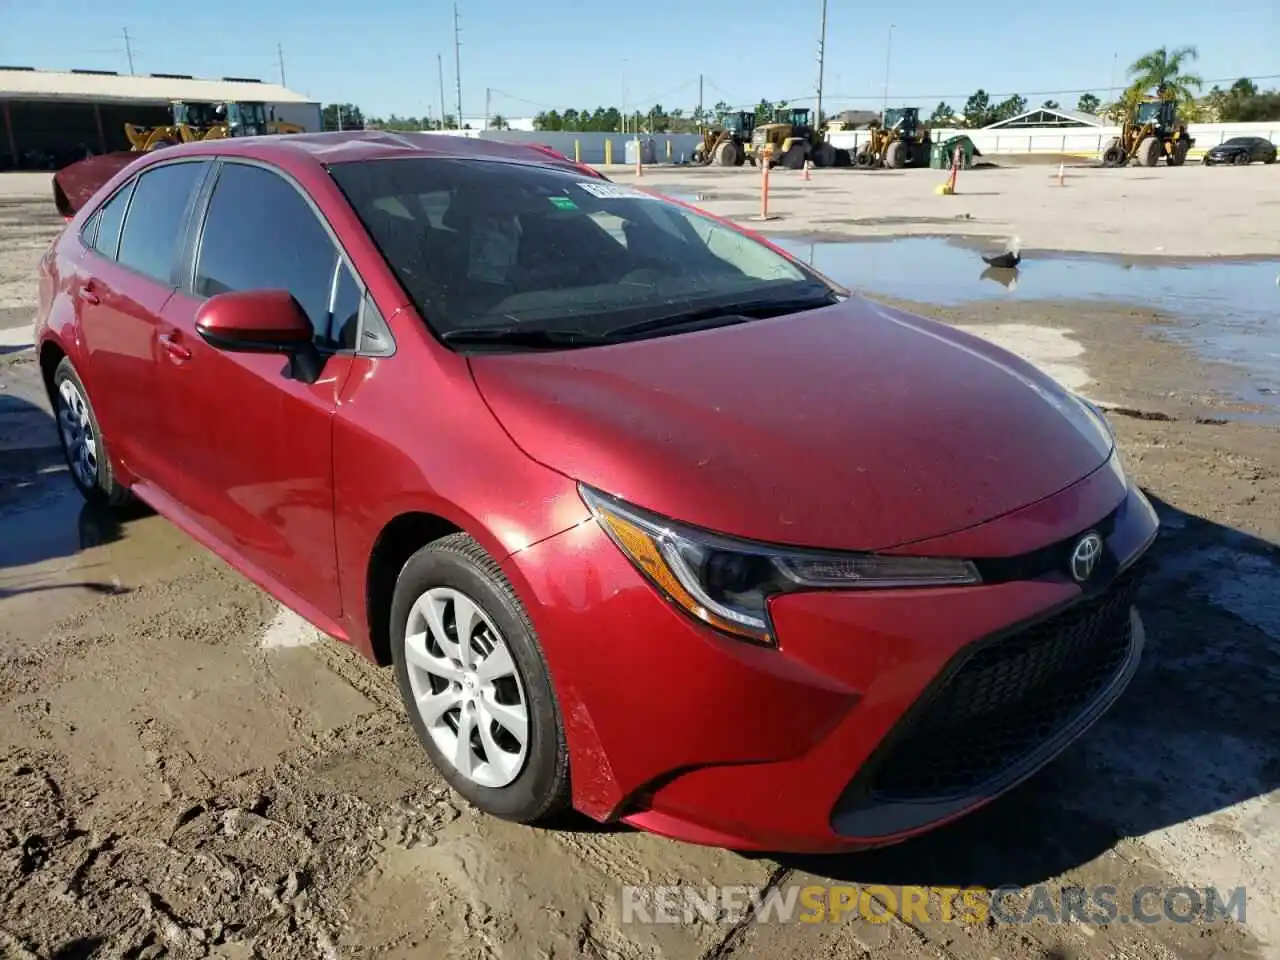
point(256, 462)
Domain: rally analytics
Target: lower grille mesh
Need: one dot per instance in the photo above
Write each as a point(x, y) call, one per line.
point(1008, 698)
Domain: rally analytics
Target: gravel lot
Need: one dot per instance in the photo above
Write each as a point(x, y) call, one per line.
point(187, 770)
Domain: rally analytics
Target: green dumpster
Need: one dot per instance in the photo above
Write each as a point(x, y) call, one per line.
point(943, 150)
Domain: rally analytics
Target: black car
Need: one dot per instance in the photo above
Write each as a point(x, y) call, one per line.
point(1242, 150)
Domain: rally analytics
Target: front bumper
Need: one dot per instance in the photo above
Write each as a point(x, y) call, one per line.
point(828, 742)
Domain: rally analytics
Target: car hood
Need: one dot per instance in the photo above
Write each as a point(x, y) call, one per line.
point(854, 426)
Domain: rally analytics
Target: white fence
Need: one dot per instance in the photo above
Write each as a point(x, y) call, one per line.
point(1082, 141)
point(590, 147)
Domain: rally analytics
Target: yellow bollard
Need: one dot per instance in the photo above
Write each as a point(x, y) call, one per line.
point(608, 152)
point(577, 151)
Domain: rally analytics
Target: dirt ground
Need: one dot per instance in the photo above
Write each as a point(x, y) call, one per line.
point(187, 770)
point(1120, 211)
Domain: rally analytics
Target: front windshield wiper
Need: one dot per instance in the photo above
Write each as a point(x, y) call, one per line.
point(533, 337)
point(729, 313)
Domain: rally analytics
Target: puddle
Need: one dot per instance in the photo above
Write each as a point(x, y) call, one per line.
point(1227, 311)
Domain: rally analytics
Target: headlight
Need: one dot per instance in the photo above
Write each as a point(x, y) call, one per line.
point(727, 583)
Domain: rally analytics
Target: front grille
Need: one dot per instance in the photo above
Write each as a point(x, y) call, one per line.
point(1009, 698)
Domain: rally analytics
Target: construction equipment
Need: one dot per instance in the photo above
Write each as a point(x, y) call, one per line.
point(897, 140)
point(725, 142)
point(792, 140)
point(206, 121)
point(1150, 132)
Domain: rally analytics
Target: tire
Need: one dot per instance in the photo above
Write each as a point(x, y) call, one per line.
point(534, 784)
point(862, 158)
point(795, 157)
point(83, 445)
point(824, 155)
point(1241, 160)
point(897, 156)
point(1149, 152)
point(1178, 156)
point(1113, 156)
point(161, 144)
point(726, 154)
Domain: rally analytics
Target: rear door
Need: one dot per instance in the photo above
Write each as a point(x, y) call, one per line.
point(121, 286)
point(255, 456)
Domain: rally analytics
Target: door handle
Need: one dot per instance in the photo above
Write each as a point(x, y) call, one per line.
point(87, 295)
point(174, 348)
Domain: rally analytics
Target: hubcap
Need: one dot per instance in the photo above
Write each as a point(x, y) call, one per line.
point(76, 429)
point(466, 688)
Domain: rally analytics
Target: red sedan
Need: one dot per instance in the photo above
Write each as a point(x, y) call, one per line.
point(649, 518)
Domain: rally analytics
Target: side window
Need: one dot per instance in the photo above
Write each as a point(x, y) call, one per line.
point(261, 234)
point(109, 219)
point(152, 235)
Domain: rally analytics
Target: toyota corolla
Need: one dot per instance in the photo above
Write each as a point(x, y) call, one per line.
point(647, 517)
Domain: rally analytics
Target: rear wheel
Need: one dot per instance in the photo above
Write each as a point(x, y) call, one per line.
point(475, 682)
point(824, 155)
point(1178, 156)
point(862, 158)
point(1242, 159)
point(897, 156)
point(794, 157)
point(82, 441)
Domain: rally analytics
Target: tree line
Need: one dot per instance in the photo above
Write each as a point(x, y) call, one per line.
point(1163, 67)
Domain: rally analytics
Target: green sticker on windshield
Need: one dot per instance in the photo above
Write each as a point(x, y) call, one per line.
point(563, 203)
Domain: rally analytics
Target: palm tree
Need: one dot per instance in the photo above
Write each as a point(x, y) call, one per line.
point(1165, 69)
point(499, 122)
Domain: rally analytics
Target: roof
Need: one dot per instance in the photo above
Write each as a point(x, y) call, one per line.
point(20, 83)
point(1049, 117)
point(350, 145)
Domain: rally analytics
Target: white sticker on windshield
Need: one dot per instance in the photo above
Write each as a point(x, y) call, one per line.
point(611, 191)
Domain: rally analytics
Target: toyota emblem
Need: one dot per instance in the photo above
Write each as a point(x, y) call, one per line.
point(1084, 557)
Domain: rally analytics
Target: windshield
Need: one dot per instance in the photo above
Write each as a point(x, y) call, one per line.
point(733, 124)
point(1149, 112)
point(482, 244)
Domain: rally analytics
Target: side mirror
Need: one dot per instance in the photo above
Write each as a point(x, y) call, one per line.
point(255, 321)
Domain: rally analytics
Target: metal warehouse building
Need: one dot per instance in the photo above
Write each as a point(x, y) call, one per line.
point(50, 119)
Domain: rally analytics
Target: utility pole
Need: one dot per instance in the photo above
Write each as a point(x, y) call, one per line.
point(457, 61)
point(128, 50)
point(822, 46)
point(488, 94)
point(888, 49)
point(701, 119)
point(440, 66)
point(280, 58)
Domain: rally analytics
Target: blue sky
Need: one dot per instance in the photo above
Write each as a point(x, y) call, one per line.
point(556, 53)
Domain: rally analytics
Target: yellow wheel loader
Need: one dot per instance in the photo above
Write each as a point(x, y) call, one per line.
point(206, 121)
point(1152, 131)
point(792, 140)
point(898, 140)
point(725, 143)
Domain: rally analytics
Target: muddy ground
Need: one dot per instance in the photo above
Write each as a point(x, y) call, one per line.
point(186, 770)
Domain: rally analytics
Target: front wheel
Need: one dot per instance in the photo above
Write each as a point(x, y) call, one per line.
point(83, 444)
point(475, 682)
